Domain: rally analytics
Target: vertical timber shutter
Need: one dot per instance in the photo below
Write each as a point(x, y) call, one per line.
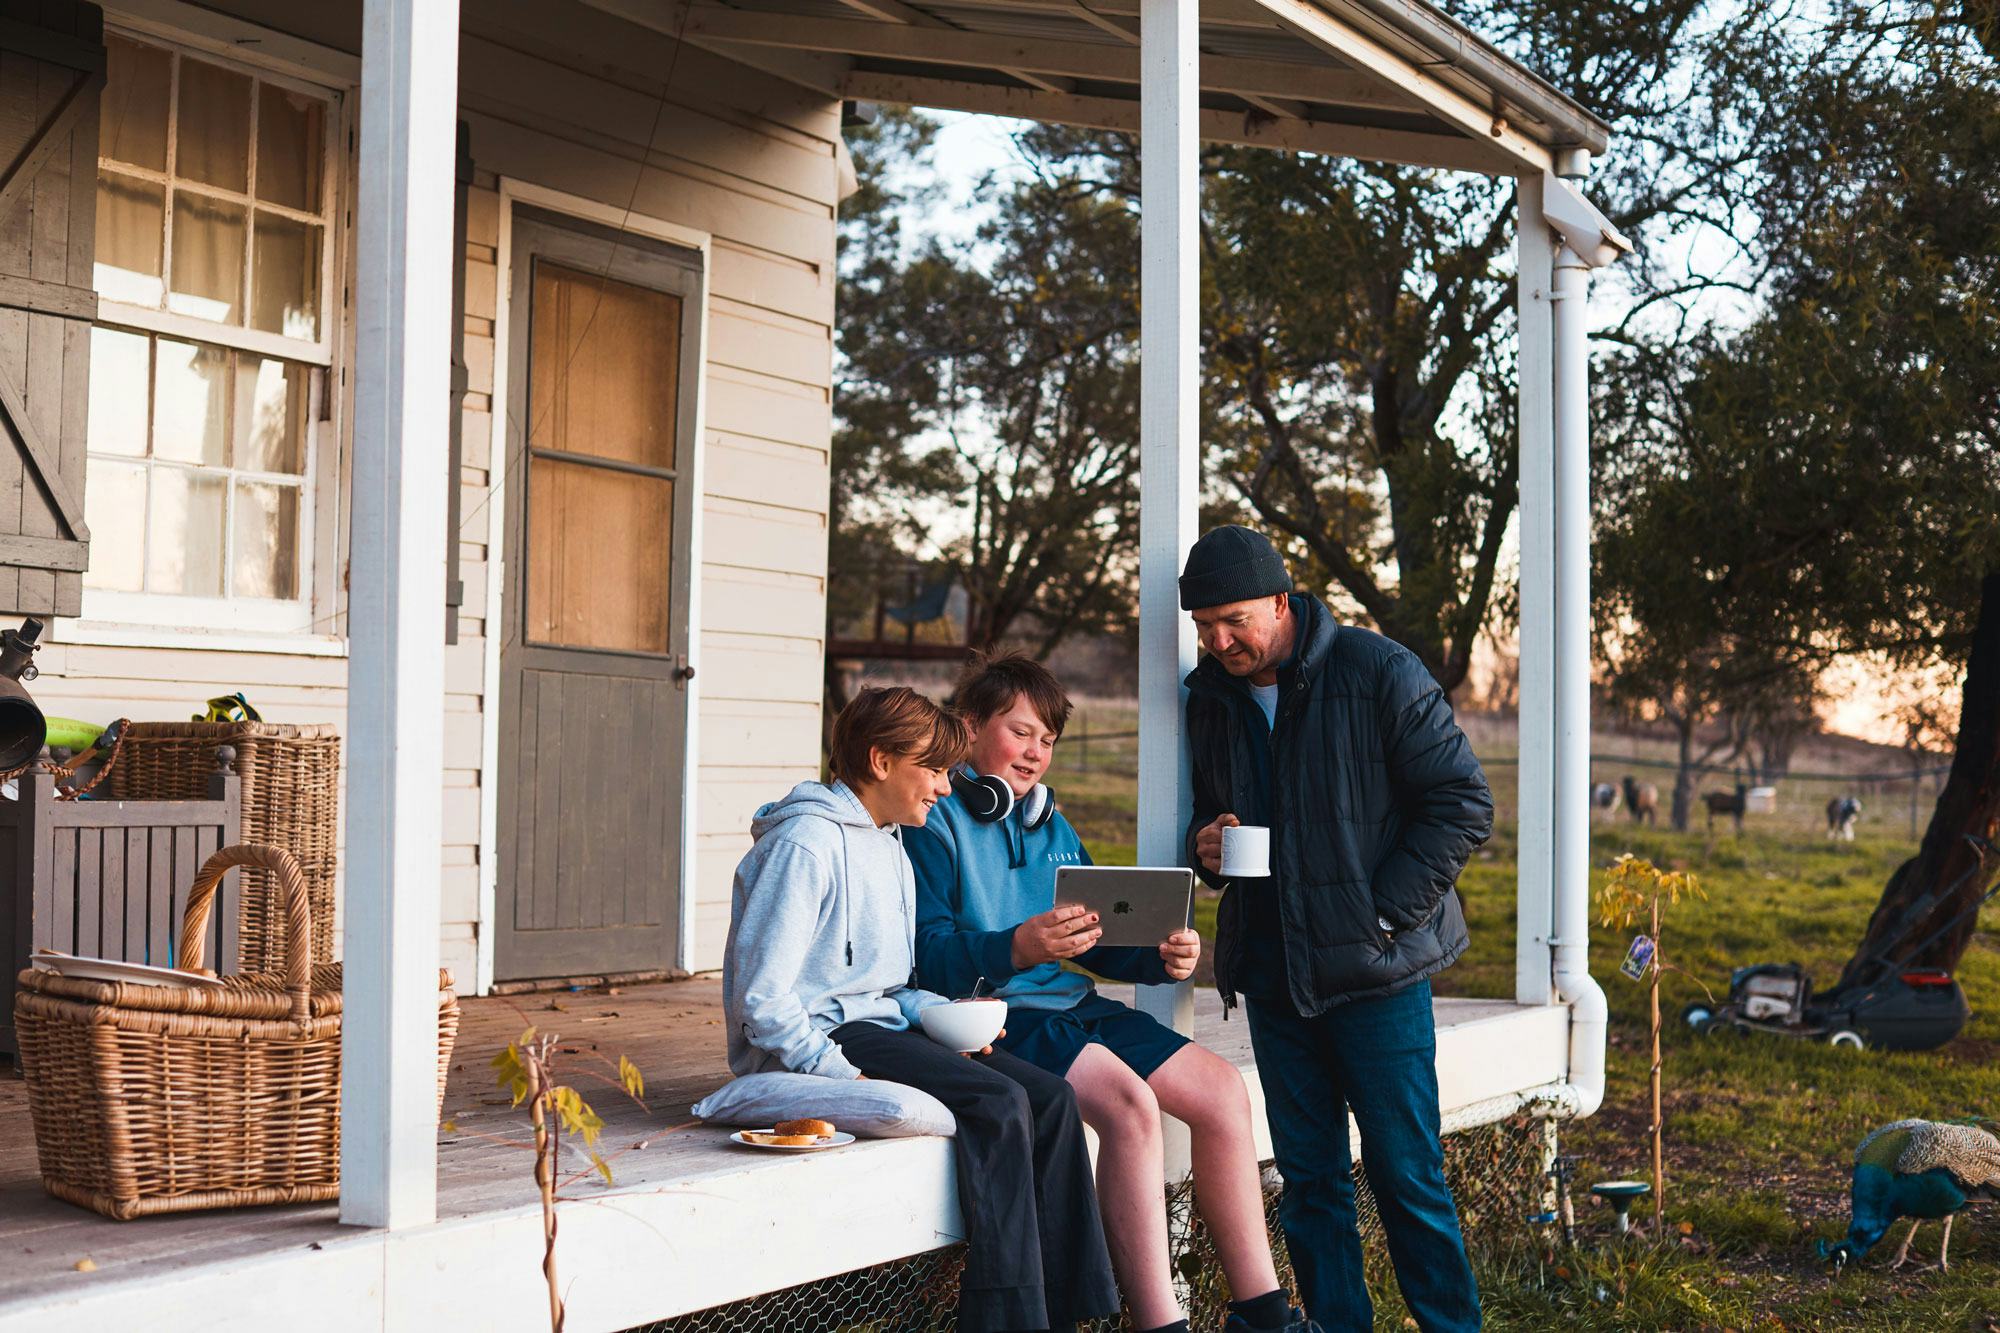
point(454, 584)
point(51, 71)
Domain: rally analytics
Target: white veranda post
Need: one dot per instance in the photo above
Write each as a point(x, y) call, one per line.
point(402, 362)
point(1537, 805)
point(1170, 476)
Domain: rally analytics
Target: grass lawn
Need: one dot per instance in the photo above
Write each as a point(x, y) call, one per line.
point(1760, 1131)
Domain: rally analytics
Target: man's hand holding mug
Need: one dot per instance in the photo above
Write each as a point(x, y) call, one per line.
point(1208, 842)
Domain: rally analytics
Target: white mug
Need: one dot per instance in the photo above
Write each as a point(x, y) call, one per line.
point(1246, 851)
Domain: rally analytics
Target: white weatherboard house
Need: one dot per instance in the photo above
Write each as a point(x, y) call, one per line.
point(459, 374)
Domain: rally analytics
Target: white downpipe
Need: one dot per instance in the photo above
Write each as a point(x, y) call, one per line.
point(1571, 818)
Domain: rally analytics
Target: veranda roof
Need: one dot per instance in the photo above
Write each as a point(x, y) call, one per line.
point(1387, 80)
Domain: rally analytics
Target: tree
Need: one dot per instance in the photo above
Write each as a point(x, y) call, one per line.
point(1359, 321)
point(1703, 682)
point(1889, 307)
point(987, 404)
point(886, 383)
point(1840, 455)
point(1043, 418)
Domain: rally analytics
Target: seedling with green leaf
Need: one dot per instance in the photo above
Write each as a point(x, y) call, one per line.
point(528, 1070)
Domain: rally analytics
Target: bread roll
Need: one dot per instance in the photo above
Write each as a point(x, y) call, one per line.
point(818, 1128)
point(780, 1140)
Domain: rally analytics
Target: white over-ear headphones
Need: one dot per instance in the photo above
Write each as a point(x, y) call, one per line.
point(989, 799)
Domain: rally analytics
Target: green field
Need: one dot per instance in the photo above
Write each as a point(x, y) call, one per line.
point(1760, 1131)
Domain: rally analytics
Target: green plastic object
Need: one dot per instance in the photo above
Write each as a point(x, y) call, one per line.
point(69, 734)
point(1621, 1195)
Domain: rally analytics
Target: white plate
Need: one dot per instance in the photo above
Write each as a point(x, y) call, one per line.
point(839, 1139)
point(111, 969)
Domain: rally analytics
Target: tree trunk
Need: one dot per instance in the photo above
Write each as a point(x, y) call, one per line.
point(1683, 809)
point(1949, 872)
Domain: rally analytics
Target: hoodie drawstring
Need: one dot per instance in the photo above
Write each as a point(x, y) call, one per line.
point(846, 895)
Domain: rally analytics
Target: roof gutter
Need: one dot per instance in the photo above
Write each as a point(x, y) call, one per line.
point(1570, 126)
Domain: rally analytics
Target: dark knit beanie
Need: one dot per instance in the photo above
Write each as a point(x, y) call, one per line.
point(1232, 564)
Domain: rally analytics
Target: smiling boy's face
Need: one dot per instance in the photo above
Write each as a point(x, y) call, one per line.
point(1015, 745)
point(904, 789)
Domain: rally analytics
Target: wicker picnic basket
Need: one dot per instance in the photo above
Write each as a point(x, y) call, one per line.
point(291, 799)
point(162, 1099)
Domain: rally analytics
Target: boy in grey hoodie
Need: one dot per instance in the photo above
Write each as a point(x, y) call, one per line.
point(818, 979)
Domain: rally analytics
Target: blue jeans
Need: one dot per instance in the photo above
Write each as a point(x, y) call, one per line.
point(1378, 1058)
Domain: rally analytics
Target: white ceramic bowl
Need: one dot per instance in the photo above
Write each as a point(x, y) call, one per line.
point(964, 1025)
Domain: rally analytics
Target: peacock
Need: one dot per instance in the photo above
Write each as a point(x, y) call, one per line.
point(1919, 1169)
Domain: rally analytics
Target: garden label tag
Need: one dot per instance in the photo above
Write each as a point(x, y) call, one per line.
point(1638, 958)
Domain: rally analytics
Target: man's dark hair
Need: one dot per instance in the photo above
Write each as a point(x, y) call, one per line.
point(899, 722)
point(991, 682)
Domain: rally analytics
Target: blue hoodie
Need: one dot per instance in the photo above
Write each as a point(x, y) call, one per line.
point(976, 882)
point(819, 934)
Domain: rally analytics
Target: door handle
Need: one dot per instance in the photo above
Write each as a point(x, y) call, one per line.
point(683, 671)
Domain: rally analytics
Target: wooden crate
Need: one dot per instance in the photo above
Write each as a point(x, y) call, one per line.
point(109, 878)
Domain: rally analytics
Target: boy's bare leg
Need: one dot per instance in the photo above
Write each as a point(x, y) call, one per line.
point(1131, 1193)
point(1206, 1092)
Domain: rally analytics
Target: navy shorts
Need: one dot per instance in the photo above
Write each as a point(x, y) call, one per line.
point(1051, 1038)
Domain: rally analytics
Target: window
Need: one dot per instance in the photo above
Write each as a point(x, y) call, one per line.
point(208, 363)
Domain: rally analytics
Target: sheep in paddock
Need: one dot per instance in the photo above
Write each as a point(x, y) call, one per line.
point(1643, 800)
point(1732, 804)
point(1603, 796)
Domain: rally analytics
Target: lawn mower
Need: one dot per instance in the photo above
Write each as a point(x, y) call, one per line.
point(1893, 1007)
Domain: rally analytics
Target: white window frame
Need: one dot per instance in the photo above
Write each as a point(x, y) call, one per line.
point(314, 623)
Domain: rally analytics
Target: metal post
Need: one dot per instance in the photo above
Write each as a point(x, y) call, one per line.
point(402, 366)
point(1170, 467)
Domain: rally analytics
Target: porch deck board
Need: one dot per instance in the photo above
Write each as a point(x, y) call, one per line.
point(673, 1032)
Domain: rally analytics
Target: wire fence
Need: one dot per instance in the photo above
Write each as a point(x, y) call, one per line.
point(1496, 1173)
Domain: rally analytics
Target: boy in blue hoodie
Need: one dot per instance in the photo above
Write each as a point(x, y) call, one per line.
point(986, 912)
point(818, 978)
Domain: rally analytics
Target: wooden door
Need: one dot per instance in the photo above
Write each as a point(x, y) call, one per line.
point(603, 351)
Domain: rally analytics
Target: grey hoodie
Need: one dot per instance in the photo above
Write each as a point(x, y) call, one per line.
point(821, 932)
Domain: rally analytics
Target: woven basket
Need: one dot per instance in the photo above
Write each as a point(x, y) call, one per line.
point(291, 799)
point(162, 1099)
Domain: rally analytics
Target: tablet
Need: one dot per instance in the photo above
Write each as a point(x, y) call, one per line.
point(1136, 906)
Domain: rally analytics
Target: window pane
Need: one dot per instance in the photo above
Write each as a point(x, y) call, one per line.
point(284, 284)
point(208, 258)
point(213, 145)
point(267, 541)
point(118, 393)
point(133, 120)
point(191, 403)
point(603, 367)
point(114, 505)
point(130, 214)
point(599, 553)
point(291, 148)
point(270, 414)
point(184, 550)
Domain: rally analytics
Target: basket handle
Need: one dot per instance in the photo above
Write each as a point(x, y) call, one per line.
point(298, 924)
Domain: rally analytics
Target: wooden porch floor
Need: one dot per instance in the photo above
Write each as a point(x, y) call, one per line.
point(673, 1033)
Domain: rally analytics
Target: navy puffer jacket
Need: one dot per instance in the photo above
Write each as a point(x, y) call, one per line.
point(1376, 804)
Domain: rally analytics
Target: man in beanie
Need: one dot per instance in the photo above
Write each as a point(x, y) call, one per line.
point(1339, 742)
